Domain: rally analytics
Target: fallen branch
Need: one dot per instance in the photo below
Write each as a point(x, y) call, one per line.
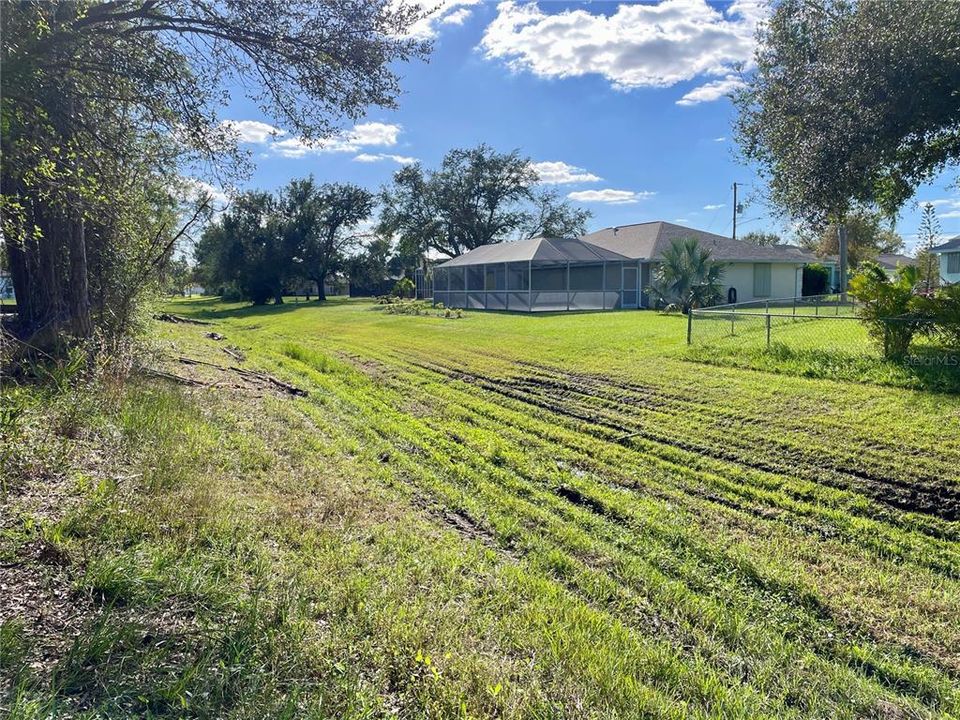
point(235, 354)
point(174, 377)
point(179, 319)
point(262, 377)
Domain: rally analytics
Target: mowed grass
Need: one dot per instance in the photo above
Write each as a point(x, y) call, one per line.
point(548, 516)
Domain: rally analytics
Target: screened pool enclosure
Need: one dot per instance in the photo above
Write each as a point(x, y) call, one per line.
point(540, 274)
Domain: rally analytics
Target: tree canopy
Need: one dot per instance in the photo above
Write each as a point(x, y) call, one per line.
point(105, 104)
point(762, 239)
point(867, 237)
point(264, 244)
point(852, 103)
point(477, 196)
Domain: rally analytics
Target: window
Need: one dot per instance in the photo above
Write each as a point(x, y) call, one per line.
point(953, 263)
point(761, 280)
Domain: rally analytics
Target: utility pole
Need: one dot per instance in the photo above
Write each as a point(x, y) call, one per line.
point(734, 211)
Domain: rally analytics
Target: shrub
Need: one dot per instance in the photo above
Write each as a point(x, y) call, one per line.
point(944, 310)
point(404, 288)
point(815, 279)
point(891, 310)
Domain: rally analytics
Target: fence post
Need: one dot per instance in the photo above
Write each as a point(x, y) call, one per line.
point(794, 305)
point(689, 325)
point(768, 331)
point(733, 317)
point(886, 339)
point(816, 306)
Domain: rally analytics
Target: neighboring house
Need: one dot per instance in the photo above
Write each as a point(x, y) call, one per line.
point(890, 262)
point(606, 270)
point(949, 253)
point(752, 272)
point(6, 285)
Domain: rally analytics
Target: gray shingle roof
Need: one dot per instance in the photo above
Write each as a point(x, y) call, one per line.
point(648, 241)
point(892, 261)
point(538, 249)
point(948, 246)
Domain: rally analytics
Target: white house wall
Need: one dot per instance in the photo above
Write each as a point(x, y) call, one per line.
point(944, 275)
point(785, 280)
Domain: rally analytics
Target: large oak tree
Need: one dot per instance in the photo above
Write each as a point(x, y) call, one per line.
point(852, 102)
point(105, 103)
point(476, 197)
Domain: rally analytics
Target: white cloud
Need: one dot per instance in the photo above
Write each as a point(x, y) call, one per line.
point(195, 188)
point(946, 207)
point(719, 139)
point(713, 207)
point(560, 173)
point(713, 90)
point(449, 12)
point(639, 45)
point(372, 158)
point(253, 131)
point(372, 134)
point(681, 220)
point(457, 17)
point(610, 197)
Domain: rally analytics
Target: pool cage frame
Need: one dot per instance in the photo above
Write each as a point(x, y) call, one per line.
point(543, 285)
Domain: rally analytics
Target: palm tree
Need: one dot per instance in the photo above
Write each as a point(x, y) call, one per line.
point(687, 277)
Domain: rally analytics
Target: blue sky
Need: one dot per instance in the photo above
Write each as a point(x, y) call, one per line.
point(622, 107)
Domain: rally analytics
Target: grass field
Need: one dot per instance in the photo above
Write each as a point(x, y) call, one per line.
point(550, 516)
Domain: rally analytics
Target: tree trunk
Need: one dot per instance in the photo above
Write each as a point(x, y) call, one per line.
point(78, 297)
point(278, 297)
point(321, 293)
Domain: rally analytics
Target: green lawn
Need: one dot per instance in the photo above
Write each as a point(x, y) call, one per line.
point(546, 516)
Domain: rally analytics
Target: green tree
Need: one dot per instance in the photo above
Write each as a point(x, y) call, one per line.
point(246, 249)
point(551, 216)
point(686, 276)
point(852, 103)
point(891, 310)
point(867, 237)
point(370, 268)
point(320, 224)
point(477, 196)
point(104, 103)
point(762, 239)
point(929, 236)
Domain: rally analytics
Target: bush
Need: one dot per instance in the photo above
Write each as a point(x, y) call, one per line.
point(404, 288)
point(399, 306)
point(944, 311)
point(815, 279)
point(230, 293)
point(891, 310)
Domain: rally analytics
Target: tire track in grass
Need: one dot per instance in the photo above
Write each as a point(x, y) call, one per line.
point(608, 417)
point(922, 495)
point(938, 554)
point(791, 591)
point(919, 653)
point(449, 449)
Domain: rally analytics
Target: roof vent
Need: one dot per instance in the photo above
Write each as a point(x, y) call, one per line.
point(615, 230)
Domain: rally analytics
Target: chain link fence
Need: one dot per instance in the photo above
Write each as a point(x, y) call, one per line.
point(815, 323)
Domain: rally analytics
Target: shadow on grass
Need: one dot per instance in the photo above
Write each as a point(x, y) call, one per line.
point(213, 308)
point(930, 369)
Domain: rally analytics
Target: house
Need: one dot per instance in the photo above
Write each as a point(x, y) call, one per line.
point(605, 270)
point(949, 253)
point(890, 262)
point(752, 272)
